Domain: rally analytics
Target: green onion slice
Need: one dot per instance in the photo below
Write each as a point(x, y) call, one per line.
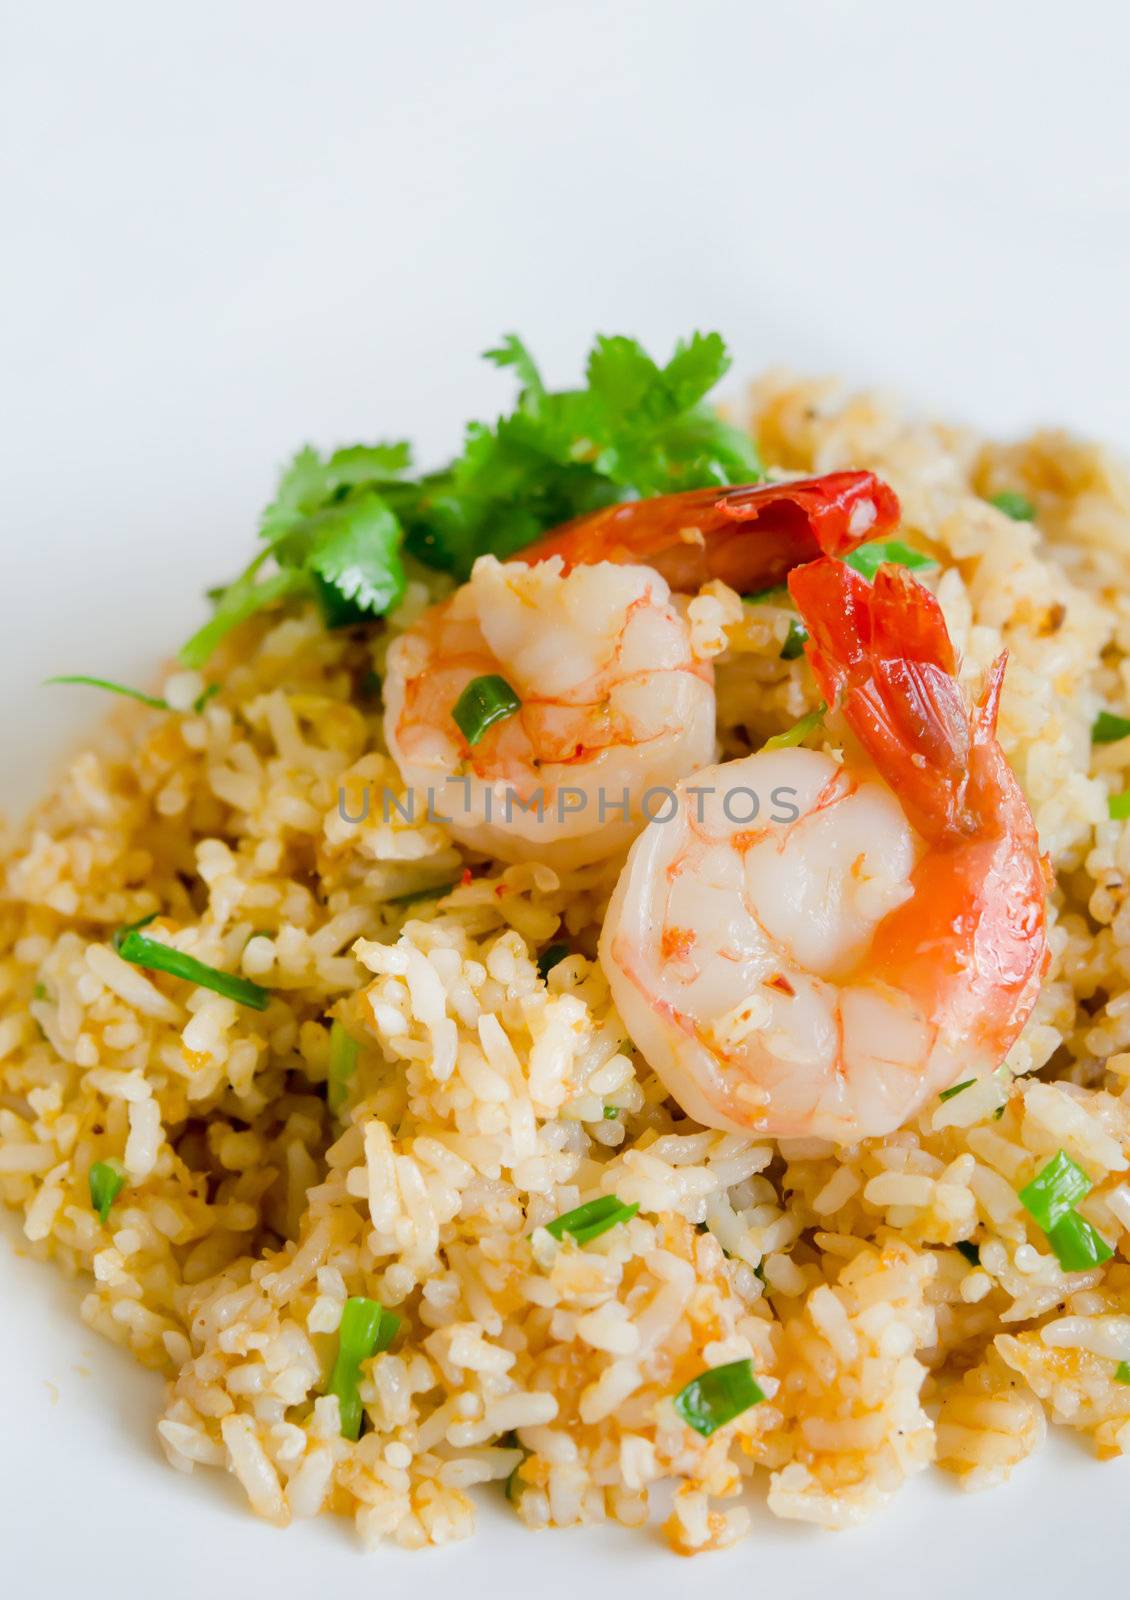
point(1118, 807)
point(956, 1088)
point(484, 702)
point(1122, 1372)
point(114, 688)
point(1014, 505)
point(106, 1180)
point(551, 958)
point(794, 643)
point(611, 1113)
point(343, 1064)
point(1076, 1244)
point(799, 730)
point(1108, 729)
point(133, 946)
point(436, 892)
point(970, 1251)
point(718, 1395)
point(1054, 1191)
point(870, 557)
point(205, 695)
point(366, 1329)
point(512, 1489)
point(592, 1219)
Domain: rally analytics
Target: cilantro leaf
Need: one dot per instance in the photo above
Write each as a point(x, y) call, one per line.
point(636, 429)
point(513, 353)
point(694, 369)
point(356, 552)
point(336, 524)
point(625, 380)
point(309, 484)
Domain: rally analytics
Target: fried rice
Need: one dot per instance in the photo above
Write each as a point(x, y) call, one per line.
point(489, 1097)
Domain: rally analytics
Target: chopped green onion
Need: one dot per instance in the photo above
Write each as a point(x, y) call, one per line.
point(870, 557)
point(550, 958)
point(1014, 505)
point(39, 992)
point(343, 1064)
point(1054, 1190)
point(611, 1113)
point(436, 892)
point(114, 688)
point(778, 594)
point(718, 1395)
point(1076, 1244)
point(799, 730)
point(203, 698)
point(106, 1180)
point(999, 1112)
point(592, 1219)
point(956, 1088)
point(484, 702)
point(970, 1251)
point(366, 1329)
point(509, 1441)
point(1122, 1372)
point(370, 685)
point(794, 644)
point(1107, 728)
point(1118, 807)
point(140, 951)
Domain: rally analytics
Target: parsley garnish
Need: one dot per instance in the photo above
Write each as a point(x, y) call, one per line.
point(337, 524)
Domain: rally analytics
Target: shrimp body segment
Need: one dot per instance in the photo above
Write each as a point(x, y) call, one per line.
point(749, 537)
point(876, 930)
point(614, 703)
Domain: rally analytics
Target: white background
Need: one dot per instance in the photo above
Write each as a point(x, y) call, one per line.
point(229, 228)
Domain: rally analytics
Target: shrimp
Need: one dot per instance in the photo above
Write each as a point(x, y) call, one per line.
point(615, 703)
point(750, 538)
point(814, 947)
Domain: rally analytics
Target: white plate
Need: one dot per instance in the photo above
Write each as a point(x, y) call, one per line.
point(234, 228)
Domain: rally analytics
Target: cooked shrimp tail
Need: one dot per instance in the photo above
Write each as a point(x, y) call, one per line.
point(749, 537)
point(826, 970)
point(881, 653)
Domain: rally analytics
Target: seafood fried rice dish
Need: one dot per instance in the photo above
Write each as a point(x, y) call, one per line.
point(601, 976)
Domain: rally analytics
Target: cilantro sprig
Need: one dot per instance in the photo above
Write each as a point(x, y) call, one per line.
point(338, 524)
